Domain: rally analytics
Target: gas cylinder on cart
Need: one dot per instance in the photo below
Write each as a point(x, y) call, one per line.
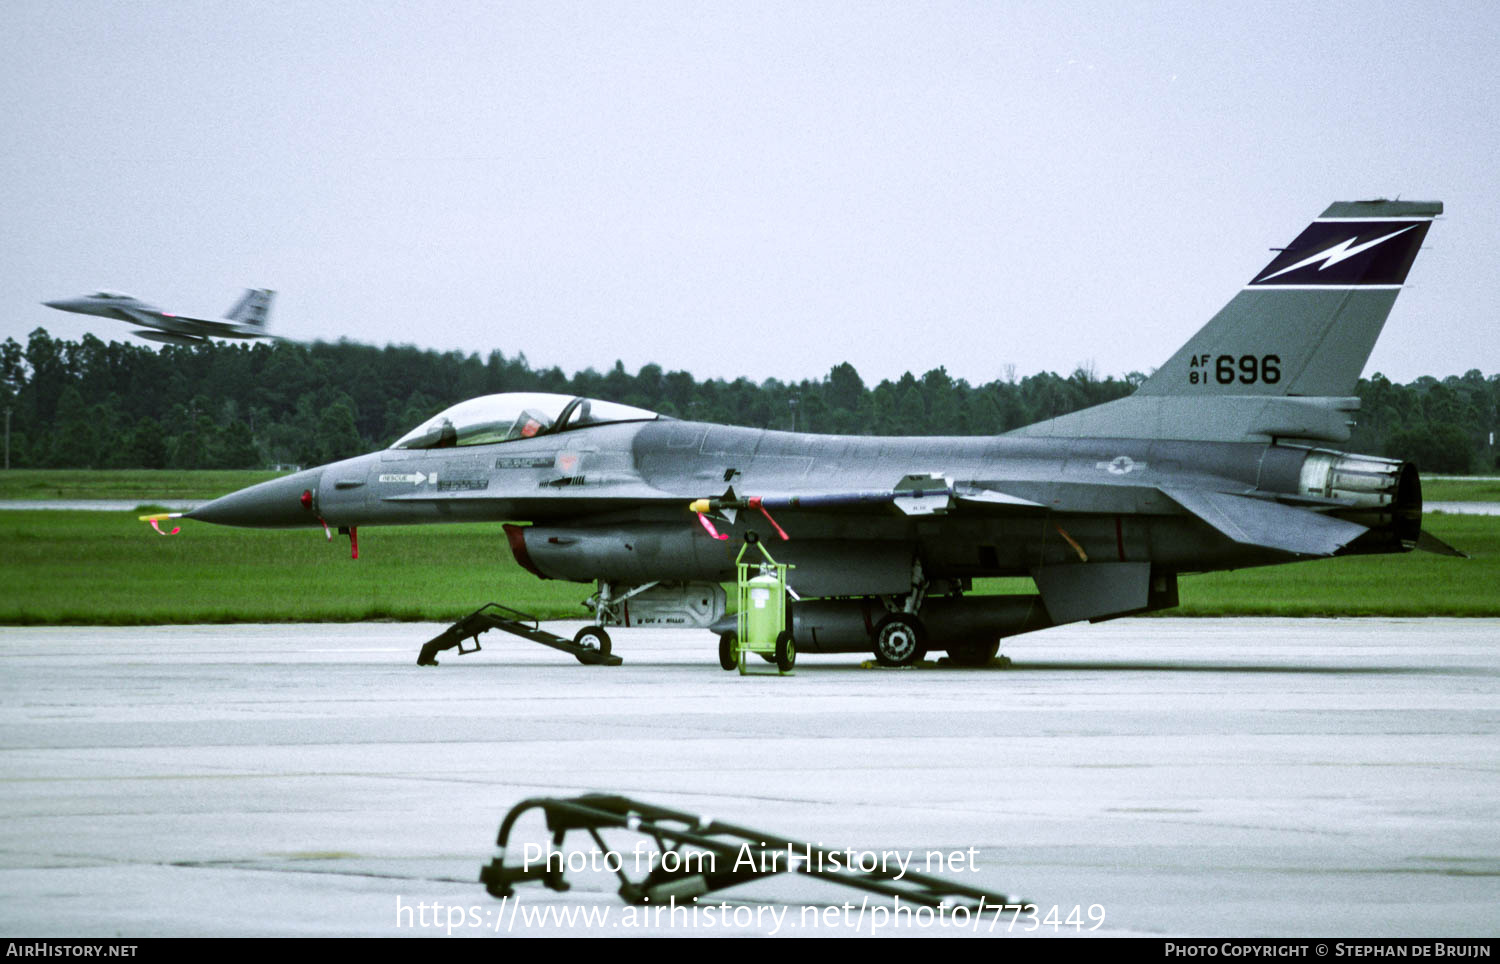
point(766, 616)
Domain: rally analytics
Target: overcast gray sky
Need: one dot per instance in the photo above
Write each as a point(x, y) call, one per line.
point(754, 189)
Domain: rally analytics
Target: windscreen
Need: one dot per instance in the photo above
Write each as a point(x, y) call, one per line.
point(514, 415)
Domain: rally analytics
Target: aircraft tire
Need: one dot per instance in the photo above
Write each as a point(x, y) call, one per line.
point(596, 639)
point(727, 657)
point(786, 652)
point(899, 640)
point(974, 653)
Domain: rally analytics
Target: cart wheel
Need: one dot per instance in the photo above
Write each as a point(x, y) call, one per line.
point(726, 652)
point(898, 640)
point(596, 640)
point(786, 652)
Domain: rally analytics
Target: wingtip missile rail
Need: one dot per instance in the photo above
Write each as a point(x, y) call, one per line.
point(156, 520)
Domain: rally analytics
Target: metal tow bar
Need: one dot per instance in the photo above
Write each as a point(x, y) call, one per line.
point(711, 851)
point(495, 616)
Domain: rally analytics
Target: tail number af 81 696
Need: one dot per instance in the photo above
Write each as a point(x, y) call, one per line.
point(1229, 369)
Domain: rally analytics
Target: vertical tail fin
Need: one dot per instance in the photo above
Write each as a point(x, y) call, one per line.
point(1306, 323)
point(253, 310)
point(1283, 357)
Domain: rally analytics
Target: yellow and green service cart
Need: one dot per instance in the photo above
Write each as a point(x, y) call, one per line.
point(765, 625)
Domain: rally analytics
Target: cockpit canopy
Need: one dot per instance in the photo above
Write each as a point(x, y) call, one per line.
point(515, 415)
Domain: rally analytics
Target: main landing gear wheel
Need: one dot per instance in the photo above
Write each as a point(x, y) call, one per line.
point(899, 640)
point(728, 659)
point(786, 652)
point(973, 653)
point(596, 640)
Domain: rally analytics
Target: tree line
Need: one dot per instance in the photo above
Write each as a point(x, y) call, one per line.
point(88, 404)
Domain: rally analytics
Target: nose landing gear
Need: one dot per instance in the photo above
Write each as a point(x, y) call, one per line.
point(899, 640)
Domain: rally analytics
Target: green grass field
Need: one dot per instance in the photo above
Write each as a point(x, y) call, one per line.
point(146, 485)
point(1453, 490)
point(106, 568)
point(1410, 584)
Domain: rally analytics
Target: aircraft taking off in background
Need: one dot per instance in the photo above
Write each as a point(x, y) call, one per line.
point(1222, 459)
point(247, 319)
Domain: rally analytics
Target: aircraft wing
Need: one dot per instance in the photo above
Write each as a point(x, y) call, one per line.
point(211, 324)
point(1243, 519)
point(1257, 522)
point(178, 323)
point(140, 316)
point(913, 495)
point(924, 494)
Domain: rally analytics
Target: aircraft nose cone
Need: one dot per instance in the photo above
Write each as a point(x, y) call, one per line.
point(276, 504)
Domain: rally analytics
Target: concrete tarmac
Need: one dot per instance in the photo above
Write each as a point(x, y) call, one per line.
point(1252, 777)
point(1463, 508)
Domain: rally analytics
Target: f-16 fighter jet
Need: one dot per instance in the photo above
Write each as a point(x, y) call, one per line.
point(1226, 457)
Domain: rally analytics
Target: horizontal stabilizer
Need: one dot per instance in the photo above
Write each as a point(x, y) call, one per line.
point(1428, 542)
point(1255, 522)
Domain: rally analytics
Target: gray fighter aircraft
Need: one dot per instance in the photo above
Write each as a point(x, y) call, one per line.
point(246, 319)
point(1225, 457)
